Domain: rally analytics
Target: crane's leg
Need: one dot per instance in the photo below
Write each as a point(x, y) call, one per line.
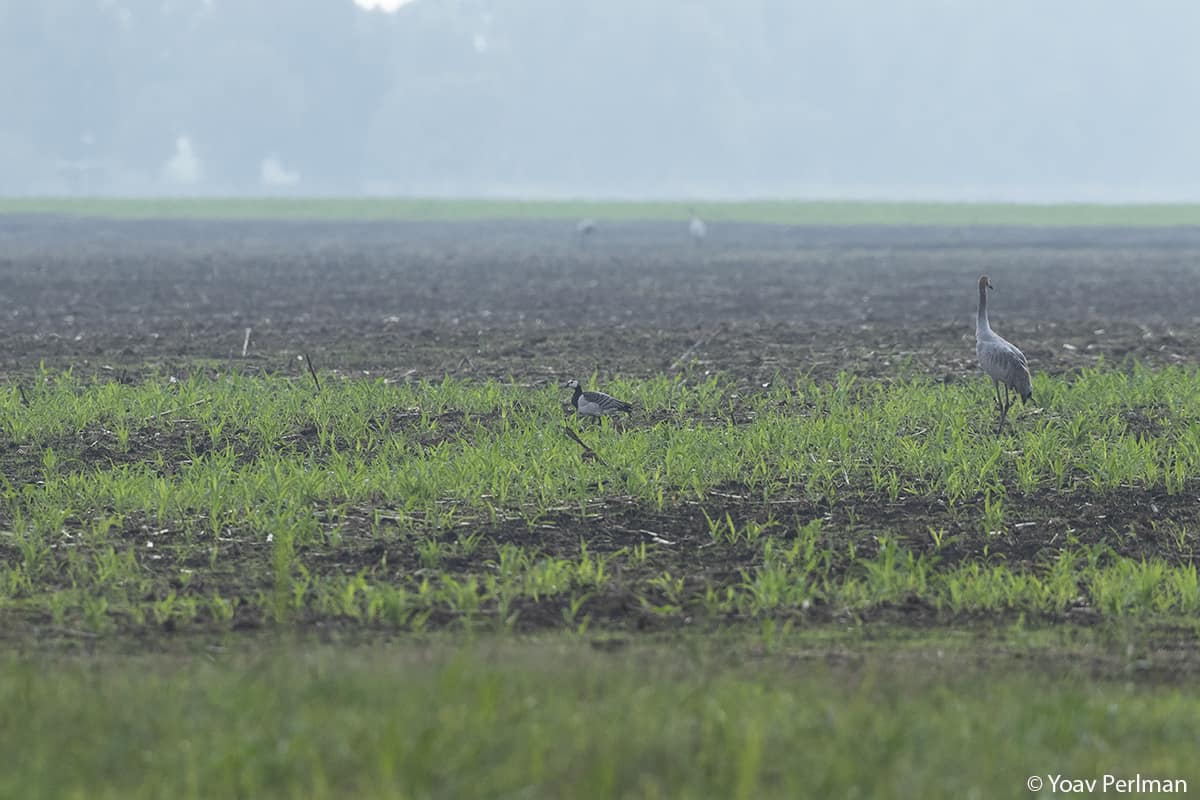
point(1008, 401)
point(996, 389)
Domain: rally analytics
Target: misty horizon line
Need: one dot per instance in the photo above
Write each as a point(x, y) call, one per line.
point(849, 195)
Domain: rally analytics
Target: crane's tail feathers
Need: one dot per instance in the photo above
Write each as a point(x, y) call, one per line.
point(1025, 398)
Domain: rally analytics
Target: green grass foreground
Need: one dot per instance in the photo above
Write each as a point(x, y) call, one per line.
point(554, 718)
point(248, 500)
point(787, 212)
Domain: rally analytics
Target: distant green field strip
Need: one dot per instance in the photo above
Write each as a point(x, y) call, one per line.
point(785, 212)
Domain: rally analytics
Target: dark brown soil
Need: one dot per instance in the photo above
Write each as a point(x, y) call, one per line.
point(526, 300)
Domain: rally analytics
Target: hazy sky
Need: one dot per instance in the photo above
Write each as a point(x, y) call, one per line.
point(386, 6)
point(949, 99)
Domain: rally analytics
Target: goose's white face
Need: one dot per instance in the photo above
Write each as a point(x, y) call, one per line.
point(572, 384)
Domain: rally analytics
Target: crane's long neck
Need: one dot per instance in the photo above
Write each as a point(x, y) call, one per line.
point(982, 325)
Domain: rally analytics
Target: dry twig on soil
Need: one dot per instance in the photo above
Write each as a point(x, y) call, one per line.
point(176, 409)
point(677, 363)
point(588, 453)
point(312, 372)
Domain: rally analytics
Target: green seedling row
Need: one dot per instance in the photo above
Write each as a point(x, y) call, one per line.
point(194, 500)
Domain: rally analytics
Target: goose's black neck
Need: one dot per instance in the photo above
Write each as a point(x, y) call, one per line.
point(575, 397)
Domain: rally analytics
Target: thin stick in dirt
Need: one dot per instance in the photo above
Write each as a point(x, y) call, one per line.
point(588, 453)
point(698, 343)
point(21, 391)
point(312, 372)
point(176, 409)
point(246, 342)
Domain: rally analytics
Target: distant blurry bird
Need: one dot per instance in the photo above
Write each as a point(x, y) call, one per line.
point(696, 227)
point(1000, 359)
point(585, 229)
point(596, 404)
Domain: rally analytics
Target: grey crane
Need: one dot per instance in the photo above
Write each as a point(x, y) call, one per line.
point(696, 227)
point(1001, 359)
point(585, 229)
point(596, 404)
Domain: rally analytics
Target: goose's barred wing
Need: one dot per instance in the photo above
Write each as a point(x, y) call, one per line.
point(603, 403)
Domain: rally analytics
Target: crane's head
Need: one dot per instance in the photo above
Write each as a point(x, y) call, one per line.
point(984, 283)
